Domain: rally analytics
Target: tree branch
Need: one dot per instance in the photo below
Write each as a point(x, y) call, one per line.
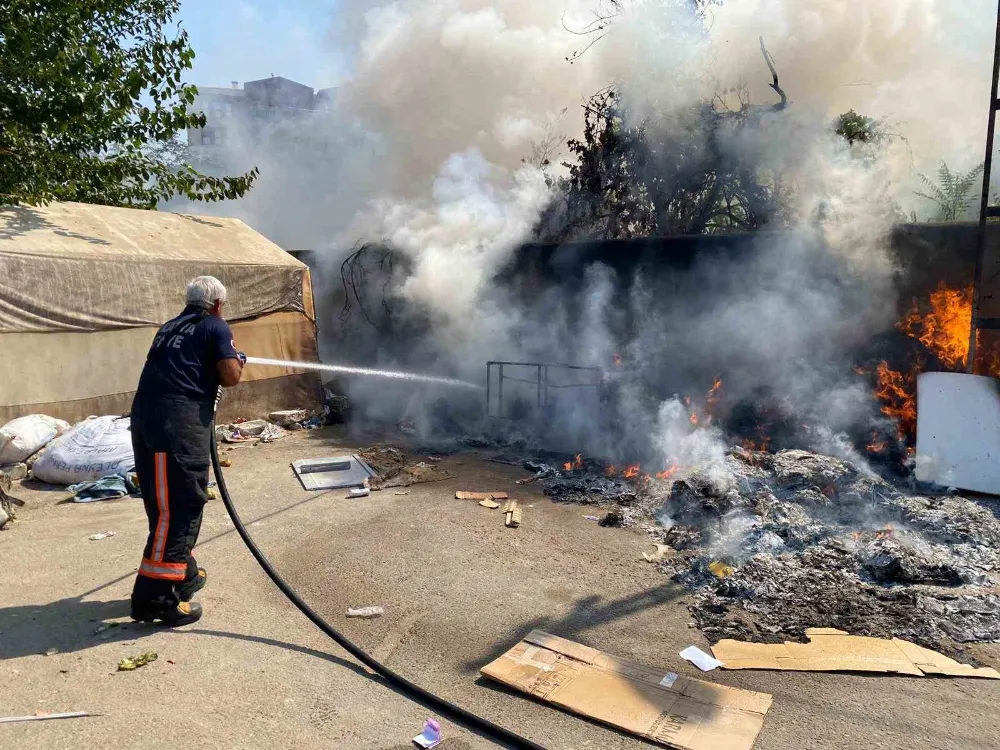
point(774, 73)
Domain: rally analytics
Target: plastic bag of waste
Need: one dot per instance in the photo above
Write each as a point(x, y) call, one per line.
point(92, 449)
point(25, 436)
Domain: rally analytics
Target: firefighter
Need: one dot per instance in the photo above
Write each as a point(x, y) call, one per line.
point(172, 414)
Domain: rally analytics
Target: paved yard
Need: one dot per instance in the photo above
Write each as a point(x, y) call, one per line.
point(457, 587)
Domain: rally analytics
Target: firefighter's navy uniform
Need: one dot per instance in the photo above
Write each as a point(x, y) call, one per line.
point(171, 427)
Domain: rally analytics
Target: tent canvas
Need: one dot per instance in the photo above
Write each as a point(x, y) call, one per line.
point(83, 289)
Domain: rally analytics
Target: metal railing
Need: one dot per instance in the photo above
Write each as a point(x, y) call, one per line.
point(542, 381)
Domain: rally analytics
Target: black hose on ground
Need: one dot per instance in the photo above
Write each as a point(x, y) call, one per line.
point(456, 713)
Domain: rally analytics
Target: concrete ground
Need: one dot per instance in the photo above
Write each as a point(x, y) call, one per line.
point(457, 587)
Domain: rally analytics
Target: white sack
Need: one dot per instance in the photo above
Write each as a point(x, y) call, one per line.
point(25, 436)
point(92, 449)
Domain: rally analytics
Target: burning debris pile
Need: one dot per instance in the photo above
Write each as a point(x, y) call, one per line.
point(939, 328)
point(773, 544)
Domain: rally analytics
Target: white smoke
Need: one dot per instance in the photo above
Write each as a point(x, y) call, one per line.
point(447, 97)
point(459, 239)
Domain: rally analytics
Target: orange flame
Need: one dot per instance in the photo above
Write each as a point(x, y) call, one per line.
point(667, 473)
point(576, 463)
point(694, 418)
point(876, 445)
point(713, 395)
point(753, 446)
point(884, 533)
point(945, 329)
point(896, 392)
point(631, 471)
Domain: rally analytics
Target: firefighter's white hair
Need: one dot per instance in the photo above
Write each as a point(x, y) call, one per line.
point(205, 291)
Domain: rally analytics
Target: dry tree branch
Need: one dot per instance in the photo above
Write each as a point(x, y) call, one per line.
point(774, 73)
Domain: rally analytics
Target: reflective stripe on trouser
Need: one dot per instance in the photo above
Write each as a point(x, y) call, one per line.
point(166, 571)
point(162, 505)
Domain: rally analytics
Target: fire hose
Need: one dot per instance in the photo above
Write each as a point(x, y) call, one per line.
point(446, 708)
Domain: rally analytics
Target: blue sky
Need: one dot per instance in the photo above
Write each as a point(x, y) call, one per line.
point(242, 40)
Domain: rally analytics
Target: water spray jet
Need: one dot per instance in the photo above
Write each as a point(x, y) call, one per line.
point(367, 371)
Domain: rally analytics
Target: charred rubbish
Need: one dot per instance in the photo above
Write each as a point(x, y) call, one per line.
point(773, 544)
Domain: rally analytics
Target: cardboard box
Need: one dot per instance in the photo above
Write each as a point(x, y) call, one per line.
point(662, 707)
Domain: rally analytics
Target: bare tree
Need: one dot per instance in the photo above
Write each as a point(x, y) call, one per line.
point(630, 179)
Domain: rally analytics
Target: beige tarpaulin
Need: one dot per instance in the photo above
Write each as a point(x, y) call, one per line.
point(83, 289)
point(77, 267)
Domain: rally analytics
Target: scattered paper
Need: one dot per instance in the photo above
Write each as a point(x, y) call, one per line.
point(489, 504)
point(592, 518)
point(700, 659)
point(661, 552)
point(407, 492)
point(662, 707)
point(430, 737)
point(832, 650)
point(365, 612)
point(102, 535)
point(359, 492)
point(669, 679)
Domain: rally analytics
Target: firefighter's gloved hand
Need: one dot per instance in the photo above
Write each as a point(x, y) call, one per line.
point(242, 358)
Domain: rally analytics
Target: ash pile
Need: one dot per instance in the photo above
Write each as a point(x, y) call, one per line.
point(772, 544)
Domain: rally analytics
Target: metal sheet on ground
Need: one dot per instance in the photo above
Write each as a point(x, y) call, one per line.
point(332, 473)
point(958, 431)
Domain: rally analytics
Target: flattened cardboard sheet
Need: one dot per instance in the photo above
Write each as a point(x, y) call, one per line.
point(662, 707)
point(832, 650)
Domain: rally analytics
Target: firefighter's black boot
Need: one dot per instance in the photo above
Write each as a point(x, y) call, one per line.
point(184, 613)
point(187, 589)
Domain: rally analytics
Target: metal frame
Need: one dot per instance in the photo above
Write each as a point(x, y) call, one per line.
point(541, 381)
point(986, 211)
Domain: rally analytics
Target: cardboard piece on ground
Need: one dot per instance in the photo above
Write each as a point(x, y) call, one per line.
point(489, 504)
point(662, 707)
point(931, 662)
point(481, 495)
point(832, 650)
point(513, 516)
